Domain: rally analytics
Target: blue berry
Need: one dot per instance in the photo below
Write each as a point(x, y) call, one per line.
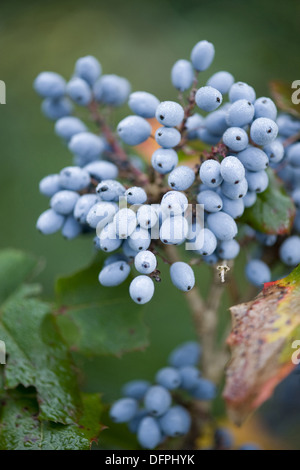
point(50, 85)
point(257, 181)
point(63, 202)
point(114, 274)
point(187, 354)
point(50, 222)
point(125, 222)
point(110, 190)
point(182, 75)
point(108, 239)
point(140, 239)
point(263, 131)
point(223, 439)
point(169, 113)
point(234, 207)
point(182, 276)
point(134, 130)
point(265, 107)
point(145, 262)
point(74, 178)
point(68, 126)
point(222, 225)
point(146, 216)
point(208, 98)
point(235, 191)
point(257, 272)
point(136, 195)
point(56, 108)
point(49, 185)
point(253, 158)
point(112, 90)
point(216, 123)
point(207, 137)
point(168, 377)
point(136, 389)
point(176, 421)
point(167, 137)
point(229, 249)
point(202, 55)
point(88, 68)
point(189, 376)
point(232, 170)
point(149, 433)
point(164, 160)
point(265, 239)
point(181, 178)
point(249, 199)
point(222, 81)
point(211, 200)
point(173, 230)
point(275, 151)
point(102, 170)
point(242, 91)
point(204, 390)
point(157, 400)
point(240, 113)
point(101, 214)
point(207, 242)
point(293, 155)
point(174, 203)
point(193, 124)
point(290, 251)
point(249, 446)
point(123, 410)
point(143, 104)
point(87, 145)
point(141, 289)
point(83, 206)
point(71, 228)
point(210, 173)
point(235, 138)
point(79, 91)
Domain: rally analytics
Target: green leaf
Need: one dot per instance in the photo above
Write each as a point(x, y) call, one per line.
point(21, 428)
point(36, 353)
point(273, 212)
point(282, 95)
point(15, 267)
point(98, 320)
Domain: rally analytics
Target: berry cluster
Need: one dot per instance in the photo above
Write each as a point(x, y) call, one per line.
point(157, 205)
point(148, 409)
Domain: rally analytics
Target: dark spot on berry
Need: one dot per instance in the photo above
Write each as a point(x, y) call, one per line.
point(219, 206)
point(269, 130)
point(272, 155)
point(238, 137)
point(218, 100)
point(169, 206)
point(236, 182)
point(189, 287)
point(264, 101)
point(148, 222)
point(159, 134)
point(240, 195)
point(257, 190)
point(121, 267)
point(129, 194)
point(103, 189)
point(105, 249)
point(213, 180)
point(140, 248)
point(139, 299)
point(161, 117)
point(204, 253)
point(160, 165)
point(165, 241)
point(249, 104)
point(172, 185)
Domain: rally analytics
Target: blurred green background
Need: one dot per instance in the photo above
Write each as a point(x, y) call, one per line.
point(256, 41)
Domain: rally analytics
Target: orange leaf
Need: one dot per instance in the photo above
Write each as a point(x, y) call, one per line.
point(261, 343)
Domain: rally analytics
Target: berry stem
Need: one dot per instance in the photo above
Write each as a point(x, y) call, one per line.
point(290, 140)
point(118, 155)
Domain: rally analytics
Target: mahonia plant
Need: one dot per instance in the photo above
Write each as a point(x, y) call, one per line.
point(213, 186)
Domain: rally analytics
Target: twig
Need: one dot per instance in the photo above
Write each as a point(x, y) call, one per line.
point(290, 140)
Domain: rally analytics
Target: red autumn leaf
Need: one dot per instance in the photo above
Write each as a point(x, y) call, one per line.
point(261, 343)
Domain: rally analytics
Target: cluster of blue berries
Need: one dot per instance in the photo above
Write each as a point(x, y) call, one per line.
point(84, 197)
point(151, 411)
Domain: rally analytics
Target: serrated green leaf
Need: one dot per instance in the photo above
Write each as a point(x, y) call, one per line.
point(98, 320)
point(21, 428)
point(274, 210)
point(282, 95)
point(36, 353)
